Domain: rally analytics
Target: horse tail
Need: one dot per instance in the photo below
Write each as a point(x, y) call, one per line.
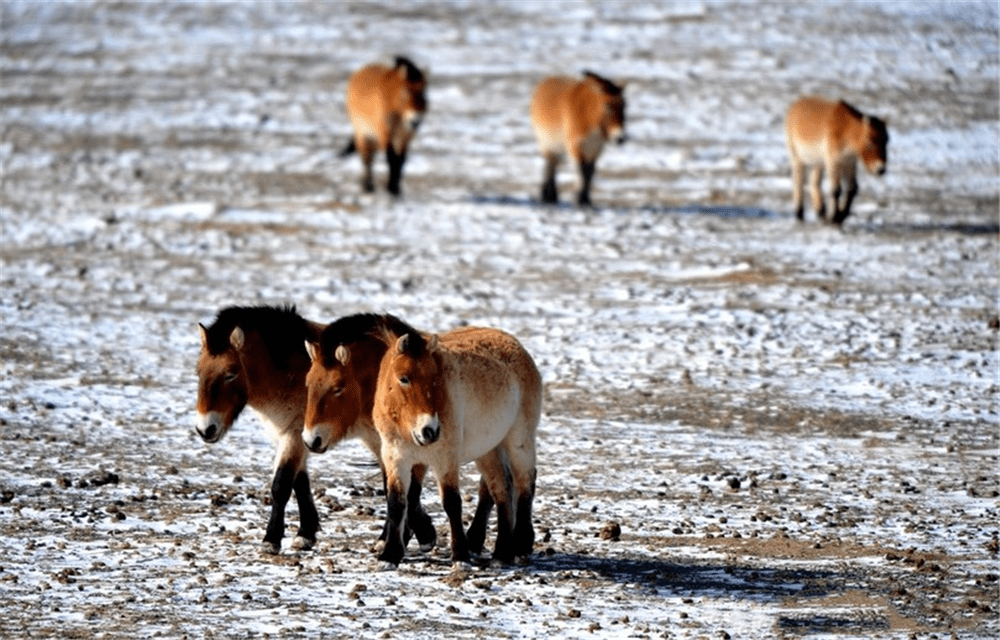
point(349, 149)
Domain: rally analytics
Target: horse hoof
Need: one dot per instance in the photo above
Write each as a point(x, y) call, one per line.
point(270, 548)
point(461, 566)
point(387, 566)
point(303, 544)
point(377, 547)
point(427, 547)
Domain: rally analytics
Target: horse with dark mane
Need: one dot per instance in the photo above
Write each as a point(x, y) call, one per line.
point(256, 357)
point(341, 392)
point(445, 399)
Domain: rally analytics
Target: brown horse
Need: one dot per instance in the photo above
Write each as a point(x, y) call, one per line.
point(576, 117)
point(340, 396)
point(832, 135)
point(443, 400)
point(255, 356)
point(385, 106)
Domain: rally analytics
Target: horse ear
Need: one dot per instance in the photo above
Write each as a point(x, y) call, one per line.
point(342, 354)
point(203, 332)
point(237, 338)
point(312, 349)
point(314, 330)
point(432, 343)
point(403, 343)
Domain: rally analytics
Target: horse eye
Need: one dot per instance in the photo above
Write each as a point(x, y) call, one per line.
point(231, 377)
point(404, 381)
point(337, 391)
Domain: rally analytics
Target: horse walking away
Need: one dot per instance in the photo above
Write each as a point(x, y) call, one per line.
point(385, 106)
point(340, 396)
point(832, 135)
point(256, 356)
point(443, 400)
point(576, 117)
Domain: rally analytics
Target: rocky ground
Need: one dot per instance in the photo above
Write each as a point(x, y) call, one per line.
point(752, 427)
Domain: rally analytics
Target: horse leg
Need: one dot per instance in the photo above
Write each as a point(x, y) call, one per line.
point(308, 516)
point(281, 490)
point(851, 180)
point(451, 499)
point(550, 194)
point(524, 528)
point(495, 472)
point(520, 450)
point(394, 549)
point(586, 177)
point(815, 190)
point(798, 173)
point(366, 149)
point(396, 160)
point(481, 521)
point(419, 522)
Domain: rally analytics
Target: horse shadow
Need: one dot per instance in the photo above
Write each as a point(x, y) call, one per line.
point(720, 211)
point(746, 212)
point(694, 579)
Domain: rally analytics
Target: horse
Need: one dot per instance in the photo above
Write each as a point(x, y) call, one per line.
point(821, 133)
point(442, 400)
point(255, 356)
point(340, 390)
point(576, 117)
point(385, 106)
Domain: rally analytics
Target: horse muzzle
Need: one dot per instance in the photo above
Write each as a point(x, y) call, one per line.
point(210, 427)
point(427, 430)
point(314, 440)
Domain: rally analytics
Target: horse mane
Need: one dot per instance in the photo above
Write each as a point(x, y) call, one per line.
point(609, 87)
point(282, 330)
point(413, 74)
point(383, 327)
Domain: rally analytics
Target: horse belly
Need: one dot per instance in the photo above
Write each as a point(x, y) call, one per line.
point(810, 152)
point(591, 146)
point(486, 424)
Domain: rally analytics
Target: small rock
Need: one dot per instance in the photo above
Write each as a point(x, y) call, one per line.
point(611, 531)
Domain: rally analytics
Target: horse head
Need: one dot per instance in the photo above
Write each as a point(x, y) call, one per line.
point(222, 384)
point(410, 392)
point(335, 398)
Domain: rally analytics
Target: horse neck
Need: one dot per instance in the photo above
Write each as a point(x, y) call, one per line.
point(366, 361)
point(277, 394)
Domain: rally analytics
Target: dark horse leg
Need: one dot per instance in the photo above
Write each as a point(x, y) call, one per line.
point(550, 195)
point(418, 522)
point(481, 521)
point(417, 519)
point(586, 177)
point(308, 516)
point(281, 491)
point(396, 160)
point(394, 549)
point(451, 499)
point(524, 528)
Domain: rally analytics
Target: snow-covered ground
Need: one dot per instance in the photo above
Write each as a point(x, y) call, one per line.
point(794, 427)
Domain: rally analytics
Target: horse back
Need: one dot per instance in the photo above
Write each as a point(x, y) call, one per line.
point(564, 109)
point(380, 98)
point(816, 126)
point(490, 374)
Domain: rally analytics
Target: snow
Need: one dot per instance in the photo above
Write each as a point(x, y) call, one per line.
point(161, 161)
